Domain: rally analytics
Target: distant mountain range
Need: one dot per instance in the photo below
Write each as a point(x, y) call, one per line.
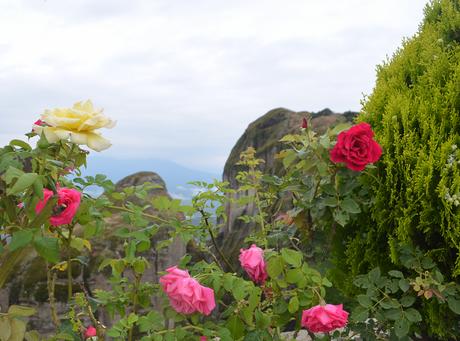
point(175, 175)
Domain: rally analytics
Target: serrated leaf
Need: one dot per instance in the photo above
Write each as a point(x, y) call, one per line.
point(20, 239)
point(293, 305)
point(359, 314)
point(292, 257)
point(413, 315)
point(402, 327)
point(404, 284)
point(364, 301)
point(24, 181)
point(48, 248)
point(454, 304)
point(234, 325)
point(275, 266)
point(350, 206)
point(396, 273)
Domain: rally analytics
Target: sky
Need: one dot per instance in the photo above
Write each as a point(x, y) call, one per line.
point(184, 78)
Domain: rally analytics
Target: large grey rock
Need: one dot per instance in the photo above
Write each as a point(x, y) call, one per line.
point(264, 134)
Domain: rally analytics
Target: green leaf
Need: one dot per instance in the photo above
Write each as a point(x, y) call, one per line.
point(453, 304)
point(32, 336)
point(359, 314)
point(24, 181)
point(407, 301)
point(18, 330)
point(21, 311)
point(341, 217)
point(48, 248)
point(402, 327)
point(396, 273)
point(292, 257)
point(393, 314)
point(374, 275)
point(293, 305)
point(20, 239)
point(275, 266)
point(235, 326)
point(350, 206)
point(364, 300)
point(262, 320)
point(413, 315)
point(404, 284)
point(21, 144)
point(294, 275)
point(5, 328)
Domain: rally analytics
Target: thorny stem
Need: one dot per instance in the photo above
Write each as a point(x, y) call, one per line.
point(214, 242)
point(259, 208)
point(99, 326)
point(50, 281)
point(69, 266)
point(135, 298)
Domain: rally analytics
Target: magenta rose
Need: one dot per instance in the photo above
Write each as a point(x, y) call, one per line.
point(185, 294)
point(90, 332)
point(324, 318)
point(252, 261)
point(67, 205)
point(356, 147)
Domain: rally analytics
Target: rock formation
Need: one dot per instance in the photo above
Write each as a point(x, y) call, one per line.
point(264, 134)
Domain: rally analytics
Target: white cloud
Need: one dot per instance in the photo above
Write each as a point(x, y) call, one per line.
point(185, 78)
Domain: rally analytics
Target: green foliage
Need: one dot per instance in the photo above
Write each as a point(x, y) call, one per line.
point(415, 113)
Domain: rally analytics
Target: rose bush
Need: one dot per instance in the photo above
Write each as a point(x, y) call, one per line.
point(210, 298)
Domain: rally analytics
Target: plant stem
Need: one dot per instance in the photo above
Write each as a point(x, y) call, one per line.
point(136, 287)
point(121, 208)
point(50, 281)
point(69, 266)
point(214, 242)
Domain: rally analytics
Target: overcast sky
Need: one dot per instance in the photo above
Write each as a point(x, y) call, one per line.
point(185, 78)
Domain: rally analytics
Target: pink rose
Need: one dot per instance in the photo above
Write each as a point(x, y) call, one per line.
point(356, 147)
point(67, 205)
point(324, 318)
point(203, 338)
point(90, 332)
point(252, 261)
point(185, 294)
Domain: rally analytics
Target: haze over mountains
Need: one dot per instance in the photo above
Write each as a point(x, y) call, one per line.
point(175, 175)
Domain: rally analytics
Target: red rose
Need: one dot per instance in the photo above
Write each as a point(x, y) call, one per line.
point(67, 205)
point(356, 147)
point(304, 123)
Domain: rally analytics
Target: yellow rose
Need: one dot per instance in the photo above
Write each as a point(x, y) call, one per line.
point(77, 124)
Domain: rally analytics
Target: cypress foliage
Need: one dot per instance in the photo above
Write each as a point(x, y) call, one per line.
point(415, 112)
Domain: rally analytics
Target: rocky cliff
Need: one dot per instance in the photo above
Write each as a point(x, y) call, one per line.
point(264, 134)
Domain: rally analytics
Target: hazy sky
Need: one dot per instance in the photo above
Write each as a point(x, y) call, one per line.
point(185, 78)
